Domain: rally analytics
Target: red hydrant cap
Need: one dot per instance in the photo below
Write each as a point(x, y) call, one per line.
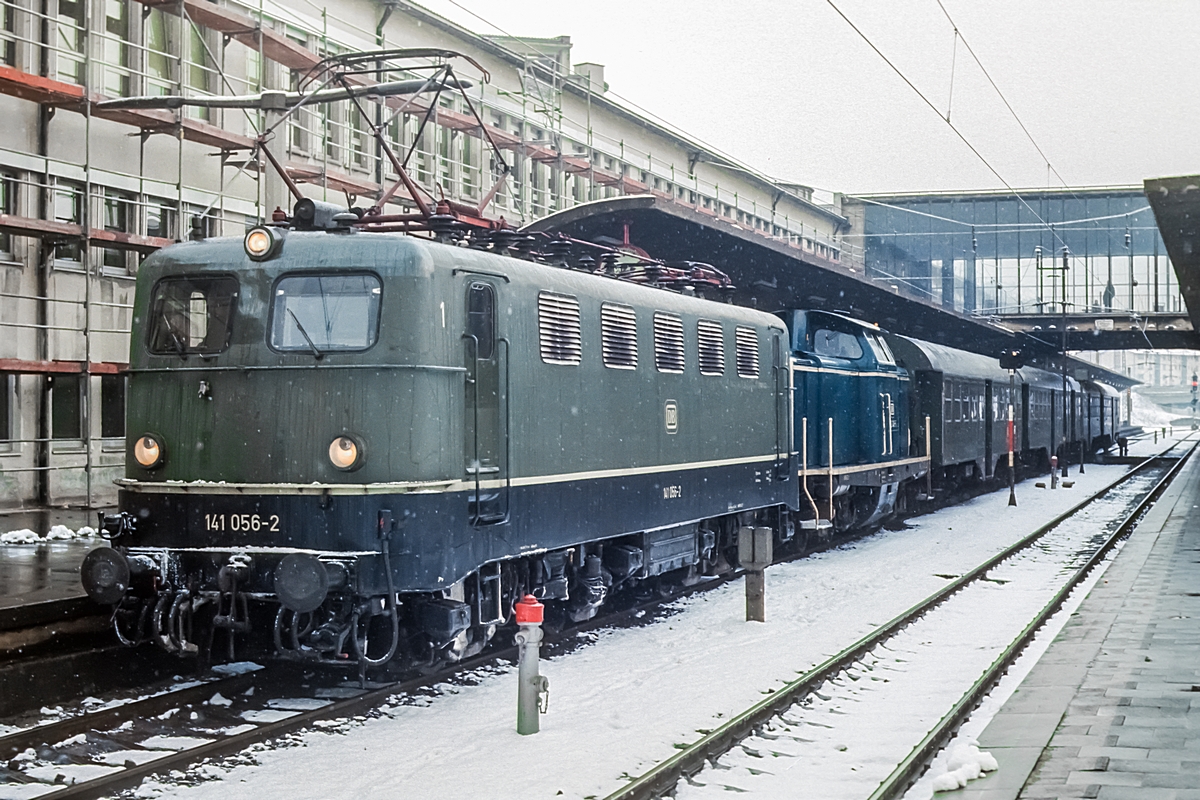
point(529, 611)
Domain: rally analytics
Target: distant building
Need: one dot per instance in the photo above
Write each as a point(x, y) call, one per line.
point(86, 194)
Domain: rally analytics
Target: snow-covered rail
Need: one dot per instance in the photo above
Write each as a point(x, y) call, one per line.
point(777, 745)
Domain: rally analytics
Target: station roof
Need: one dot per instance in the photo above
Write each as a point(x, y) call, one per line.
point(1176, 205)
point(772, 274)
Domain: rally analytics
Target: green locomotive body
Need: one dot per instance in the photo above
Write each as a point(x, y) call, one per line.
point(358, 432)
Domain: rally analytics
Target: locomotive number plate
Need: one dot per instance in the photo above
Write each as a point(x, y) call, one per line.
point(241, 522)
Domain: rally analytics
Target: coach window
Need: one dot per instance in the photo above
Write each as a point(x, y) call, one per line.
point(836, 344)
point(947, 401)
point(192, 315)
point(322, 314)
point(481, 319)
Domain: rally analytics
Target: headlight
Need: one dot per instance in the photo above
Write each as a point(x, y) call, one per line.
point(344, 453)
point(147, 451)
point(262, 242)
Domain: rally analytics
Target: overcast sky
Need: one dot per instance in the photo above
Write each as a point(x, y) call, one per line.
point(1109, 89)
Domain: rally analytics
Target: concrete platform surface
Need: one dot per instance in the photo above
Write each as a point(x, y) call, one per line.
point(1112, 709)
point(36, 573)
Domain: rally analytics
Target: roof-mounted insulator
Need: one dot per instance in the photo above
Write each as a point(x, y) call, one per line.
point(608, 262)
point(444, 224)
point(557, 252)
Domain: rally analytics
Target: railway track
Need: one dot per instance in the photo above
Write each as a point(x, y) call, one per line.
point(106, 751)
point(793, 725)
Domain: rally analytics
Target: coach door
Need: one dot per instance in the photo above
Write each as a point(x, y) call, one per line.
point(486, 406)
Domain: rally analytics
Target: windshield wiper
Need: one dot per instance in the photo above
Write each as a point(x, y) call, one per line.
point(316, 353)
point(176, 339)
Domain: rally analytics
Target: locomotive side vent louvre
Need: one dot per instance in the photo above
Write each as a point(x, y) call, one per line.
point(747, 352)
point(558, 329)
point(668, 342)
point(618, 336)
point(710, 339)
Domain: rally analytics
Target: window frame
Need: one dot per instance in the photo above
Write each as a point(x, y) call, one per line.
point(321, 274)
point(154, 307)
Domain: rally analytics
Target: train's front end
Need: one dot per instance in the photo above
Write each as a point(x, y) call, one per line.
point(285, 403)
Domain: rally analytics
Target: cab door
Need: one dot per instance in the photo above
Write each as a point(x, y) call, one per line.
point(485, 444)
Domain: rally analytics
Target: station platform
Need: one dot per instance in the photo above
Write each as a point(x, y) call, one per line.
point(1112, 708)
point(42, 573)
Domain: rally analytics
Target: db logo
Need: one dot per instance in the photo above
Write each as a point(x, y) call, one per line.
point(671, 416)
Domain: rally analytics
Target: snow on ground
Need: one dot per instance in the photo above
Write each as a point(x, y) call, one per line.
point(1149, 414)
point(623, 703)
point(26, 536)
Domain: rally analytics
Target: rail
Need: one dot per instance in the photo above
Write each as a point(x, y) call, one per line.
point(661, 780)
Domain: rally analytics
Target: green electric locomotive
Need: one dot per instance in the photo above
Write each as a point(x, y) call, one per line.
point(344, 446)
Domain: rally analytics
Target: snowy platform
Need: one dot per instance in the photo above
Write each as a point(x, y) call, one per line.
point(42, 572)
point(1112, 709)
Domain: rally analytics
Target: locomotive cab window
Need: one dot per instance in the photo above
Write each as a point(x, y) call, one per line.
point(836, 344)
point(325, 313)
point(481, 319)
point(192, 315)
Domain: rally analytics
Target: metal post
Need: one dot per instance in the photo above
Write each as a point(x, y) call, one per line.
point(929, 455)
point(1012, 480)
point(1053, 472)
point(755, 553)
point(532, 688)
point(1066, 401)
point(804, 473)
point(831, 515)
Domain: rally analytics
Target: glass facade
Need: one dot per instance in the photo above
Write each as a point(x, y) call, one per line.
point(997, 254)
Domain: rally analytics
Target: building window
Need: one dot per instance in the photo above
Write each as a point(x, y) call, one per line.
point(668, 343)
point(8, 38)
point(160, 218)
point(118, 213)
point(68, 207)
point(112, 406)
point(560, 336)
point(8, 410)
point(710, 344)
point(200, 71)
point(159, 78)
point(70, 40)
point(66, 406)
point(747, 352)
point(618, 336)
point(8, 205)
point(115, 49)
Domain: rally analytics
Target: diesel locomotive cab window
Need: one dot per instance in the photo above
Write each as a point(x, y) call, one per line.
point(836, 344)
point(192, 315)
point(322, 314)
